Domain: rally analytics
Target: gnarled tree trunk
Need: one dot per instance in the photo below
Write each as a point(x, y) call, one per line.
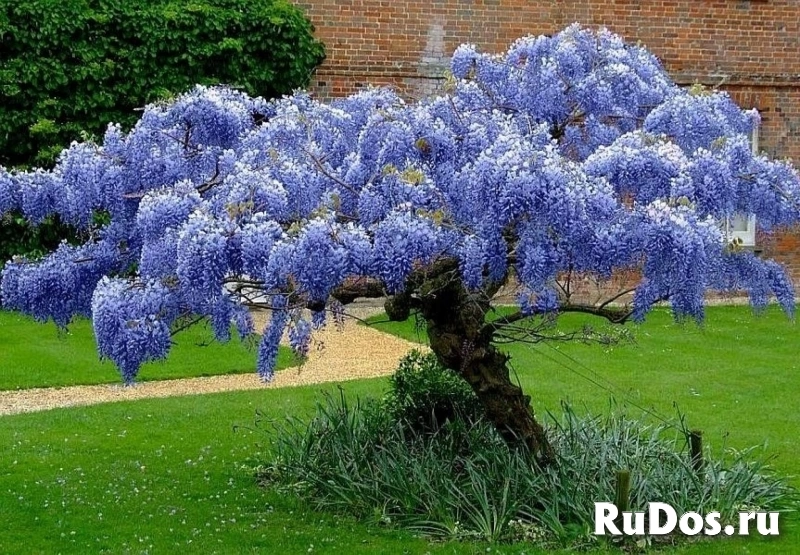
point(462, 343)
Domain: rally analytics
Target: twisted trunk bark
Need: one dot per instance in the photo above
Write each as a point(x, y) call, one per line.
point(462, 343)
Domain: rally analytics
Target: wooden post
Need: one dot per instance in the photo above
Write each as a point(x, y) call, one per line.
point(623, 496)
point(696, 448)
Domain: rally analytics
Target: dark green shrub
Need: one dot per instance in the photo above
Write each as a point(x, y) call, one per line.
point(73, 66)
point(69, 67)
point(19, 238)
point(426, 394)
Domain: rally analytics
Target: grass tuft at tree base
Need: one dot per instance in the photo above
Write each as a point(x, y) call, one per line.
point(459, 480)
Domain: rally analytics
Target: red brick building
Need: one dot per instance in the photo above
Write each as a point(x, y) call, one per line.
point(748, 47)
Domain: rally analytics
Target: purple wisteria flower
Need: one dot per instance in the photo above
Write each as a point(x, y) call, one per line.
point(573, 153)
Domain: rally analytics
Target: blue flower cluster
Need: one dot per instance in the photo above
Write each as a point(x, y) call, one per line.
point(270, 341)
point(132, 323)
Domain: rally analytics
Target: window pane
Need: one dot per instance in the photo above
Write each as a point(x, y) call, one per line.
point(739, 223)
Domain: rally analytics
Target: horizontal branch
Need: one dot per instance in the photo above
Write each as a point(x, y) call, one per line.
point(617, 296)
point(367, 287)
point(613, 315)
point(345, 293)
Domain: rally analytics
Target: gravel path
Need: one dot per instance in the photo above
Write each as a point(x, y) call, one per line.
point(336, 355)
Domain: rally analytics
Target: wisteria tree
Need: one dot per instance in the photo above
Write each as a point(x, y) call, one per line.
point(566, 158)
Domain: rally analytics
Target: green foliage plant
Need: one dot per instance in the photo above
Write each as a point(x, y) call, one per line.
point(463, 482)
point(69, 67)
point(425, 394)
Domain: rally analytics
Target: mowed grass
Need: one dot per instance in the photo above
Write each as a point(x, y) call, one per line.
point(37, 355)
point(162, 476)
point(167, 475)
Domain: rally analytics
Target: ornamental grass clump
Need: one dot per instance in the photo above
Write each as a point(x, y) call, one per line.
point(462, 481)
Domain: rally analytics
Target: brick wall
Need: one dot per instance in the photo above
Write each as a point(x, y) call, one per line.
point(749, 47)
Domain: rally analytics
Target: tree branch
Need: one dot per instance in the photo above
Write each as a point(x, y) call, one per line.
point(613, 315)
point(367, 287)
point(617, 296)
point(212, 182)
point(186, 325)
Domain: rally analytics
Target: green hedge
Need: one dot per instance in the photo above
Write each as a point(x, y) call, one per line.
point(68, 67)
point(19, 238)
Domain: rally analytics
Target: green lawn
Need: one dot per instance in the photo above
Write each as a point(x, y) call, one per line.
point(160, 476)
point(164, 475)
point(36, 355)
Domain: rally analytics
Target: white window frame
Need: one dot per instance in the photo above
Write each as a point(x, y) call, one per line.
point(746, 237)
